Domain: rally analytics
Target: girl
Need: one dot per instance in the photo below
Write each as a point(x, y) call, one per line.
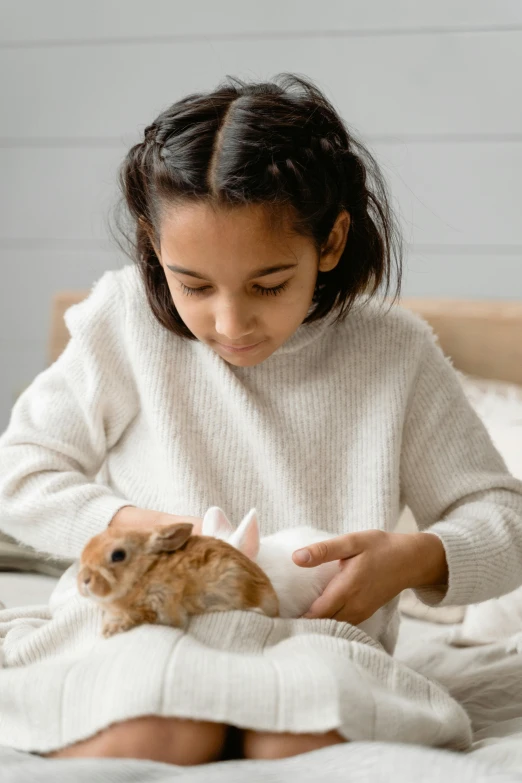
point(244, 361)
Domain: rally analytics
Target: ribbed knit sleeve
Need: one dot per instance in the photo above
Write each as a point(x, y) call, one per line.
point(62, 427)
point(458, 487)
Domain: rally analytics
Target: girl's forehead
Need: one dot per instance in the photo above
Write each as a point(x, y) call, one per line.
point(202, 235)
point(245, 222)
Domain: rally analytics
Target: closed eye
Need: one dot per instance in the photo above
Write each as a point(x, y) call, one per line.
point(259, 288)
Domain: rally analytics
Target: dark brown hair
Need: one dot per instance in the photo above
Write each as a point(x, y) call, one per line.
point(279, 143)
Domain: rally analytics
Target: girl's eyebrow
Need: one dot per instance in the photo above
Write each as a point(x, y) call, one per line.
point(267, 270)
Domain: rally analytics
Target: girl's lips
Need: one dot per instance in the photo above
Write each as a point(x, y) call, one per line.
point(241, 349)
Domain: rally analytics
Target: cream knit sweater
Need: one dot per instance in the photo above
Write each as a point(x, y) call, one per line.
point(339, 428)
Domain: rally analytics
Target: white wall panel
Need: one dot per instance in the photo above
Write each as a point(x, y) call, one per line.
point(471, 274)
point(58, 20)
point(57, 193)
point(456, 194)
point(429, 84)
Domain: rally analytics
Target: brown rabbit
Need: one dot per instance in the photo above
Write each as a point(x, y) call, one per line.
point(165, 574)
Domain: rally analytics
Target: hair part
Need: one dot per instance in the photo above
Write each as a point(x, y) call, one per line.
point(281, 144)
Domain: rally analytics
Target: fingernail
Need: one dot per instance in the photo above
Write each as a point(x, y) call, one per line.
point(302, 555)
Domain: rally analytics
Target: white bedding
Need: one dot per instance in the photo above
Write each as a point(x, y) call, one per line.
point(25, 589)
point(486, 679)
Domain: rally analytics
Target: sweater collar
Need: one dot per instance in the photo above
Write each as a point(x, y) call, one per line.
point(305, 335)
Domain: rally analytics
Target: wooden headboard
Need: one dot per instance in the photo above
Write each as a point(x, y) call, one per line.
point(483, 338)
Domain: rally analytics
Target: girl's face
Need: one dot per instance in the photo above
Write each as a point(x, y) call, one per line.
point(241, 285)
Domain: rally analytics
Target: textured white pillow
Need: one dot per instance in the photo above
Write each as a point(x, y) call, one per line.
point(499, 405)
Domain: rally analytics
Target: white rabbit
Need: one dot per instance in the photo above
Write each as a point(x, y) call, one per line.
point(295, 586)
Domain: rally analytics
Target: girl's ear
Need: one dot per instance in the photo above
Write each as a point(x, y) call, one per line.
point(246, 537)
point(216, 524)
point(336, 242)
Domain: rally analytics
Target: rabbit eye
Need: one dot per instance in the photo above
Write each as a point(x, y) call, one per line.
point(118, 555)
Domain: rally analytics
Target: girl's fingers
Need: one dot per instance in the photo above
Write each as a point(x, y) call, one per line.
point(331, 601)
point(336, 548)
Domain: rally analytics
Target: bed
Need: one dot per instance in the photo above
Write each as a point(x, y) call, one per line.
point(484, 340)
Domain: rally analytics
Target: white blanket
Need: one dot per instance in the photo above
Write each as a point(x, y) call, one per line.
point(62, 682)
point(488, 680)
point(485, 679)
point(354, 762)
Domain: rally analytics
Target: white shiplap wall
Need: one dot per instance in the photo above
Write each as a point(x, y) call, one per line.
point(434, 89)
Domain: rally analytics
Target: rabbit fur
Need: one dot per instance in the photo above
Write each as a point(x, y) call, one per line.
point(164, 575)
point(296, 587)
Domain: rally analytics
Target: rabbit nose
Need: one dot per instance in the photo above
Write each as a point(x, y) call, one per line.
point(85, 575)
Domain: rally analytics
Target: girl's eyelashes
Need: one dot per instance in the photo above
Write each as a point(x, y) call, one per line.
point(272, 291)
point(263, 291)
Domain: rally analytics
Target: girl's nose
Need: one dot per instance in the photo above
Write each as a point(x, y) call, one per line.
point(234, 323)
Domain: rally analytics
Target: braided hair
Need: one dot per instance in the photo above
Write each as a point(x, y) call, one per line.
point(278, 143)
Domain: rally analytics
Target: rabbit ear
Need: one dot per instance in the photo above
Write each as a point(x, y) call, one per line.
point(246, 537)
point(216, 524)
point(168, 538)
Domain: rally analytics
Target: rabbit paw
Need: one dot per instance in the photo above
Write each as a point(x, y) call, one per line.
point(116, 625)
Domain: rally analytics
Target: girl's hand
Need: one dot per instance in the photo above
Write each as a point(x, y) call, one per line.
point(131, 516)
point(374, 567)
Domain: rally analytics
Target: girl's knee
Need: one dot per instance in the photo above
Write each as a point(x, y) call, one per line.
point(267, 745)
point(197, 742)
point(169, 740)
